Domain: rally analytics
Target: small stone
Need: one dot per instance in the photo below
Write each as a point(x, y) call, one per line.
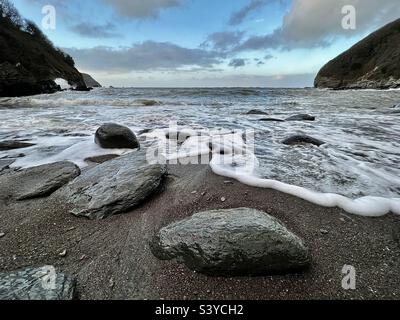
point(83, 257)
point(323, 231)
point(228, 182)
point(223, 199)
point(342, 219)
point(63, 254)
point(2, 234)
point(194, 192)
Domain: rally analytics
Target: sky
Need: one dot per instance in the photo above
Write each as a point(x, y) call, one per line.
point(207, 43)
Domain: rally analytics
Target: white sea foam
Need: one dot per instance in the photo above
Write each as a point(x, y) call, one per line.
point(231, 158)
point(62, 83)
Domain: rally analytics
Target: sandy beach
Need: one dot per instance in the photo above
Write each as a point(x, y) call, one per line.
point(111, 258)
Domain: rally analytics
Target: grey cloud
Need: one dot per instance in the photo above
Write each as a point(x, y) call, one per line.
point(224, 40)
point(236, 63)
point(239, 16)
point(96, 31)
point(144, 56)
point(141, 9)
point(312, 24)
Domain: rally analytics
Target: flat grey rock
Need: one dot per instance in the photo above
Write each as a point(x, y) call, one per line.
point(113, 187)
point(36, 284)
point(302, 139)
point(38, 182)
point(234, 242)
point(114, 136)
point(11, 145)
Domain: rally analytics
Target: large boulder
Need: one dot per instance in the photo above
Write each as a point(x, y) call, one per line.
point(113, 187)
point(38, 181)
point(114, 136)
point(234, 242)
point(37, 284)
point(373, 63)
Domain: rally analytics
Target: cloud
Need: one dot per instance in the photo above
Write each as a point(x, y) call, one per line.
point(313, 23)
point(236, 63)
point(239, 16)
point(223, 41)
point(145, 56)
point(141, 9)
point(90, 30)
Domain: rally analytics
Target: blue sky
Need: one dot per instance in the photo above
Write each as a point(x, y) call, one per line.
point(206, 42)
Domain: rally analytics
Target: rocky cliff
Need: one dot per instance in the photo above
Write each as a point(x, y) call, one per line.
point(90, 82)
point(29, 63)
point(373, 63)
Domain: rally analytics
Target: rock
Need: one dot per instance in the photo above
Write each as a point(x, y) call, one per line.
point(301, 117)
point(373, 63)
point(63, 253)
point(4, 164)
point(256, 112)
point(113, 187)
point(39, 181)
point(29, 63)
point(324, 232)
point(102, 159)
point(302, 139)
point(11, 145)
point(37, 284)
point(2, 234)
point(89, 81)
point(271, 120)
point(114, 136)
point(234, 242)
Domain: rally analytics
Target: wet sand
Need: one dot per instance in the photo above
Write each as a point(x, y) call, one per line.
point(112, 260)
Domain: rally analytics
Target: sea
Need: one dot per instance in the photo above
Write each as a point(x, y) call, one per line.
point(360, 160)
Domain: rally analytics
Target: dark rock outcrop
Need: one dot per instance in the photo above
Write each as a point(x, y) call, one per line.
point(38, 182)
point(301, 117)
point(235, 242)
point(29, 63)
point(90, 82)
point(272, 120)
point(302, 139)
point(11, 145)
point(114, 136)
point(101, 159)
point(37, 284)
point(113, 187)
point(373, 63)
point(257, 112)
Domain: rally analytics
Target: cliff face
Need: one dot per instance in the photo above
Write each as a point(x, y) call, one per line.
point(29, 63)
point(373, 63)
point(90, 82)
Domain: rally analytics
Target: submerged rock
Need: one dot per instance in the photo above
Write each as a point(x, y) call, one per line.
point(301, 117)
point(113, 187)
point(114, 136)
point(37, 284)
point(302, 139)
point(4, 164)
point(38, 181)
point(101, 159)
point(272, 120)
point(234, 242)
point(257, 112)
point(11, 145)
